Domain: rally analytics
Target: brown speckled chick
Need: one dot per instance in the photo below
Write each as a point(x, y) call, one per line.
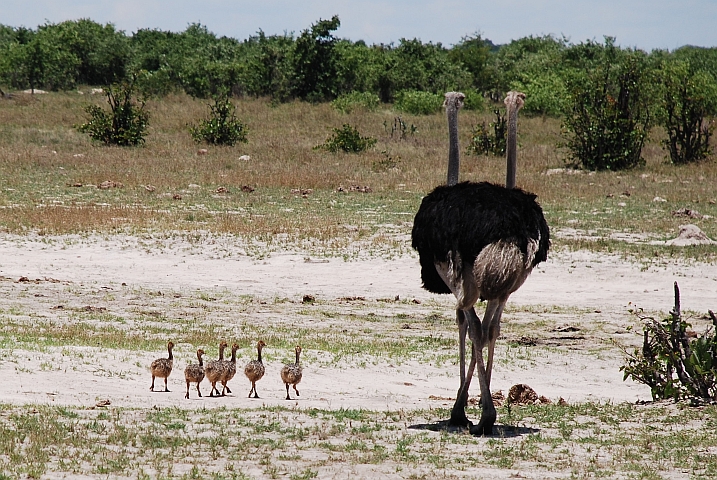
point(229, 369)
point(162, 367)
point(214, 368)
point(291, 374)
point(195, 373)
point(254, 370)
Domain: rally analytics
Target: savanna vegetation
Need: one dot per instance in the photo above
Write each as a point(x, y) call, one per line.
point(325, 146)
point(607, 98)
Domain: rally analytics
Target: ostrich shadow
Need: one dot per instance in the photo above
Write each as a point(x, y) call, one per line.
point(499, 431)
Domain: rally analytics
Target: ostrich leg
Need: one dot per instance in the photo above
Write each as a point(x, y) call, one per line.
point(471, 325)
point(488, 413)
point(491, 330)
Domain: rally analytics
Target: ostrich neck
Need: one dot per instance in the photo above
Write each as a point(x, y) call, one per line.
point(170, 353)
point(297, 358)
point(511, 147)
point(454, 161)
point(258, 359)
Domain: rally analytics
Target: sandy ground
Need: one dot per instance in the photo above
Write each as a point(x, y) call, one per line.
point(606, 284)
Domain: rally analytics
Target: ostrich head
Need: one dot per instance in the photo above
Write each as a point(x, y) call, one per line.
point(453, 102)
point(514, 101)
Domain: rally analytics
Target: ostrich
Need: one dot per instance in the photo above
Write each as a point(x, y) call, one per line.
point(162, 367)
point(291, 373)
point(254, 370)
point(479, 241)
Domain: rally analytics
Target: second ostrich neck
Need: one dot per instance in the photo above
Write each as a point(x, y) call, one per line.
point(511, 146)
point(454, 161)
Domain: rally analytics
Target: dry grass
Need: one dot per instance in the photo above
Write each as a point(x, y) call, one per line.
point(43, 159)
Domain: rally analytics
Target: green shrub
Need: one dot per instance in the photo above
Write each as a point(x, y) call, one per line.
point(348, 102)
point(608, 117)
point(347, 139)
point(473, 101)
point(418, 103)
point(689, 98)
point(126, 122)
point(672, 364)
point(483, 142)
point(222, 126)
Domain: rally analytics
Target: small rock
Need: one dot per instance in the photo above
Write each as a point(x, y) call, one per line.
point(202, 151)
point(245, 158)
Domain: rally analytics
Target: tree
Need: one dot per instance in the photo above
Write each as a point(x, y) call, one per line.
point(314, 61)
point(473, 53)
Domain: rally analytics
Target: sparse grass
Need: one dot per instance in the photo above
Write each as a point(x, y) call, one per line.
point(42, 158)
point(587, 440)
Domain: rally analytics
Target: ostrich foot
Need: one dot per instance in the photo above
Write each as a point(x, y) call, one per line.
point(485, 426)
point(459, 419)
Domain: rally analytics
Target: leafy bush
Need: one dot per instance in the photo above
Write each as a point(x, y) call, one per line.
point(418, 103)
point(484, 143)
point(672, 364)
point(222, 126)
point(348, 102)
point(689, 96)
point(608, 117)
point(347, 139)
point(473, 101)
point(126, 122)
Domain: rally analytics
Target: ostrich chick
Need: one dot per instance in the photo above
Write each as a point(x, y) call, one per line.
point(162, 367)
point(213, 369)
point(291, 374)
point(254, 370)
point(229, 369)
point(195, 373)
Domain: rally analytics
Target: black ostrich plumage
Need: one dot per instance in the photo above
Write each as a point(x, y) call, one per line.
point(465, 218)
